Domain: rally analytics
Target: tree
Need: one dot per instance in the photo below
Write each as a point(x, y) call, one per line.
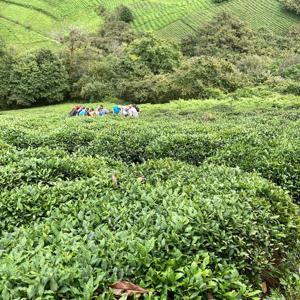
point(257, 68)
point(124, 14)
point(6, 65)
point(198, 75)
point(53, 77)
point(156, 55)
point(150, 89)
point(74, 42)
point(113, 36)
point(134, 73)
point(25, 82)
point(101, 11)
point(224, 36)
point(2, 47)
point(292, 5)
point(291, 40)
point(37, 78)
point(100, 79)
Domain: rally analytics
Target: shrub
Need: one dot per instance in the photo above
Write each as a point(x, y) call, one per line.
point(69, 138)
point(274, 157)
point(19, 137)
point(284, 86)
point(122, 143)
point(191, 148)
point(257, 68)
point(73, 222)
point(184, 232)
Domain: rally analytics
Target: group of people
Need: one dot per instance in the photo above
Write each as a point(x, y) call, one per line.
point(122, 110)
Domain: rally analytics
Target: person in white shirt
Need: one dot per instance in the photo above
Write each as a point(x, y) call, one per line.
point(132, 112)
point(124, 111)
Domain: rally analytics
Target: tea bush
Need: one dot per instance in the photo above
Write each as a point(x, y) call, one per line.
point(185, 234)
point(163, 201)
point(277, 159)
point(45, 166)
point(19, 137)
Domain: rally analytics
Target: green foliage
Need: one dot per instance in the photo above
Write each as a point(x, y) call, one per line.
point(25, 82)
point(2, 47)
point(113, 35)
point(6, 64)
point(290, 67)
point(187, 225)
point(172, 246)
point(257, 68)
point(229, 37)
point(52, 76)
point(38, 78)
point(30, 24)
point(151, 89)
point(78, 54)
point(196, 74)
point(275, 157)
point(223, 36)
point(293, 5)
point(131, 75)
point(124, 13)
point(291, 41)
point(116, 62)
point(159, 56)
point(284, 86)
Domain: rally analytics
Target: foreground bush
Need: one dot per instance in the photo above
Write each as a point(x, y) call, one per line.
point(182, 232)
point(82, 203)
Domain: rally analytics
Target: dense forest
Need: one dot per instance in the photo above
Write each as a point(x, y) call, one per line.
point(223, 56)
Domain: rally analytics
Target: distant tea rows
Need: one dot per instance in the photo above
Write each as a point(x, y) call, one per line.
point(37, 23)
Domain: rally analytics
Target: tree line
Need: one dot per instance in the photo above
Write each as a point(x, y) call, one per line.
point(223, 56)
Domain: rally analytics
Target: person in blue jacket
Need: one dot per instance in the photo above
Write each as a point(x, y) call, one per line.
point(116, 109)
point(83, 112)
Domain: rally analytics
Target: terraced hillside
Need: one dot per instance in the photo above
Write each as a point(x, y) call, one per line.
point(33, 23)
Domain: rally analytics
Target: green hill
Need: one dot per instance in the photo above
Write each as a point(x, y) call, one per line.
point(35, 23)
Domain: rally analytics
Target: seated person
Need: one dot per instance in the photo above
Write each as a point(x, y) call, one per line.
point(132, 112)
point(83, 112)
point(124, 111)
point(103, 112)
point(116, 109)
point(92, 112)
point(73, 112)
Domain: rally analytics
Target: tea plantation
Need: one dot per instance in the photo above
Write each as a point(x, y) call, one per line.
point(193, 200)
point(40, 23)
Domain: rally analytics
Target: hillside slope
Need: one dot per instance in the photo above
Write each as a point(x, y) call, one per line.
point(35, 23)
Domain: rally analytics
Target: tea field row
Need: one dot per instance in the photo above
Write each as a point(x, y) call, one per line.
point(39, 23)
